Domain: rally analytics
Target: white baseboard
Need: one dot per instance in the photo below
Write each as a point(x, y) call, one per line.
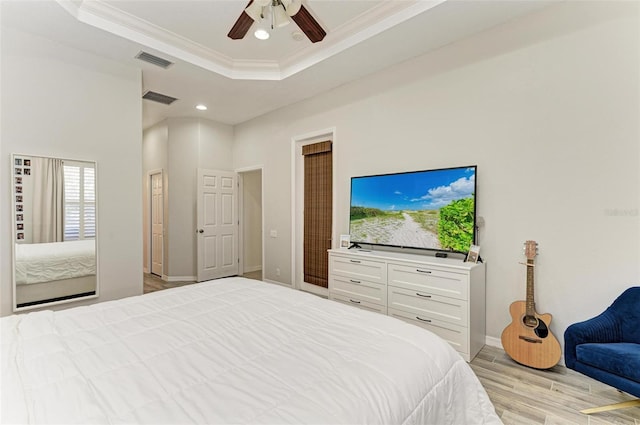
point(252, 269)
point(179, 278)
point(493, 342)
point(277, 283)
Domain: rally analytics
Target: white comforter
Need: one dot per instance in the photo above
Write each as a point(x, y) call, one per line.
point(232, 351)
point(45, 262)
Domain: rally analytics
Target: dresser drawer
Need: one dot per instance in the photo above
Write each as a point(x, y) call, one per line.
point(359, 302)
point(429, 280)
point(456, 336)
point(364, 290)
point(430, 306)
point(357, 269)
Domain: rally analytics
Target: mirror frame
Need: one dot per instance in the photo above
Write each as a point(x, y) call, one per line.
point(14, 223)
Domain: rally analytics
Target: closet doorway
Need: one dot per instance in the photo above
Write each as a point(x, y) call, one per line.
point(250, 196)
point(156, 222)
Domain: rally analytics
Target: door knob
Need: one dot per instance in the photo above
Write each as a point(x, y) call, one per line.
point(201, 231)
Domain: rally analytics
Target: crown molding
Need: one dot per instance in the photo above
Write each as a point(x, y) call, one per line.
point(365, 26)
point(374, 21)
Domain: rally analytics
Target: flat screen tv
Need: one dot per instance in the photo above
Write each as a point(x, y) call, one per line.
point(431, 209)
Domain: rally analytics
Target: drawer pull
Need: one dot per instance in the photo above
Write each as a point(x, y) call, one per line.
point(423, 271)
point(422, 295)
point(355, 261)
point(354, 301)
point(423, 320)
point(354, 281)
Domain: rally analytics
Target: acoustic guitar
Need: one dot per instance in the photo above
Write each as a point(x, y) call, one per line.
point(528, 339)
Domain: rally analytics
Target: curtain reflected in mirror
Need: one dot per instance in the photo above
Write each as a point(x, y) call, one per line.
point(54, 230)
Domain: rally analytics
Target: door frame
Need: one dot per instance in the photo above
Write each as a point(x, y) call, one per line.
point(241, 230)
point(297, 204)
point(149, 261)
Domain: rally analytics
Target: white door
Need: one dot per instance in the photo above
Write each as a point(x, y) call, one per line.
point(217, 220)
point(157, 224)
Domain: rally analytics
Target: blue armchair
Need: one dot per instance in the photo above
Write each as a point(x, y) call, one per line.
point(607, 347)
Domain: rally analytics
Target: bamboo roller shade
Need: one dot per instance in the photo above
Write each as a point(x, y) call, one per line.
point(317, 212)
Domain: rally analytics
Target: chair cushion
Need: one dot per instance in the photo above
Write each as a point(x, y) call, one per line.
point(622, 359)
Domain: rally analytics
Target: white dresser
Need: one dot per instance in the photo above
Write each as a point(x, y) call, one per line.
point(443, 295)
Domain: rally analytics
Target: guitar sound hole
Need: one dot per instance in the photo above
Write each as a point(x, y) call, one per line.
point(539, 327)
point(530, 321)
point(542, 330)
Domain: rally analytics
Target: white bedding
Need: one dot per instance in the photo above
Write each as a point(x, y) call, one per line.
point(45, 262)
point(232, 351)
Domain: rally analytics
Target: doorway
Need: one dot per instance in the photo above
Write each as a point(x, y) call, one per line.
point(302, 279)
point(156, 222)
point(251, 223)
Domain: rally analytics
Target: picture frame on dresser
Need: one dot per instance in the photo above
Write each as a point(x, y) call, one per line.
point(473, 255)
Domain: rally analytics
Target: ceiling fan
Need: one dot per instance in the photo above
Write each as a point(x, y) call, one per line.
point(277, 13)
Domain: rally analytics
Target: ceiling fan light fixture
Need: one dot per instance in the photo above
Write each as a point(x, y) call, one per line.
point(292, 6)
point(279, 16)
point(255, 9)
point(261, 34)
point(274, 14)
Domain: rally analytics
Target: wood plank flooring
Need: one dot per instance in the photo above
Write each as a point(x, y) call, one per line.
point(153, 283)
point(522, 395)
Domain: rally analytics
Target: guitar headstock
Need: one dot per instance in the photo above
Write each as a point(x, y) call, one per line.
point(530, 249)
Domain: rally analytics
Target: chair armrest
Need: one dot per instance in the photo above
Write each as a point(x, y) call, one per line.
point(600, 329)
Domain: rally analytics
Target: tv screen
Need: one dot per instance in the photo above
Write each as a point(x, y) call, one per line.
point(431, 209)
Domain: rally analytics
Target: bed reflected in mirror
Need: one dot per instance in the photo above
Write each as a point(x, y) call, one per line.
point(54, 230)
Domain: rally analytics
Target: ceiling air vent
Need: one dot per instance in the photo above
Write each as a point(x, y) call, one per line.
point(158, 97)
point(155, 60)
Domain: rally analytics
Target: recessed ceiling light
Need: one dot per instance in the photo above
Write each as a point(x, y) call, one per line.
point(261, 34)
point(297, 35)
point(201, 107)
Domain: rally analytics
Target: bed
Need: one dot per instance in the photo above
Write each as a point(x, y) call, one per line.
point(232, 351)
point(54, 271)
point(46, 262)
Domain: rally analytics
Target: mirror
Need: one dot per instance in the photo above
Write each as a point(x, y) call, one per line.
point(54, 230)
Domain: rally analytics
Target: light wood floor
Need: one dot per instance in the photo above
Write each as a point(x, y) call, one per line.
point(522, 395)
point(154, 283)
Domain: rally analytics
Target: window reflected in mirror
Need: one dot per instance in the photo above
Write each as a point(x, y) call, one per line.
point(54, 230)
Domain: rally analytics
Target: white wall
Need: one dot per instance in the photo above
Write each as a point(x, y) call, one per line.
point(547, 106)
point(57, 101)
point(180, 146)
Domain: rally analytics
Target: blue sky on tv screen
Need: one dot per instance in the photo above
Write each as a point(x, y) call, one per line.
point(423, 190)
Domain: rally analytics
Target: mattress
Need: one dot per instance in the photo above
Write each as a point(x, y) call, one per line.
point(45, 262)
point(232, 351)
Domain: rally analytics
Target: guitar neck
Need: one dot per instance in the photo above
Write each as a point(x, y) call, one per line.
point(530, 299)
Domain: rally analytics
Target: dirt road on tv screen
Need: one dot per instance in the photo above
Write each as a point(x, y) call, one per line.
point(393, 231)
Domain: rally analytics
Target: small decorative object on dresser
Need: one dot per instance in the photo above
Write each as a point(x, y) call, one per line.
point(443, 295)
point(474, 254)
point(345, 241)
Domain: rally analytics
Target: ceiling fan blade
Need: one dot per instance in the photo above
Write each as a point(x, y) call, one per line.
point(309, 25)
point(242, 25)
